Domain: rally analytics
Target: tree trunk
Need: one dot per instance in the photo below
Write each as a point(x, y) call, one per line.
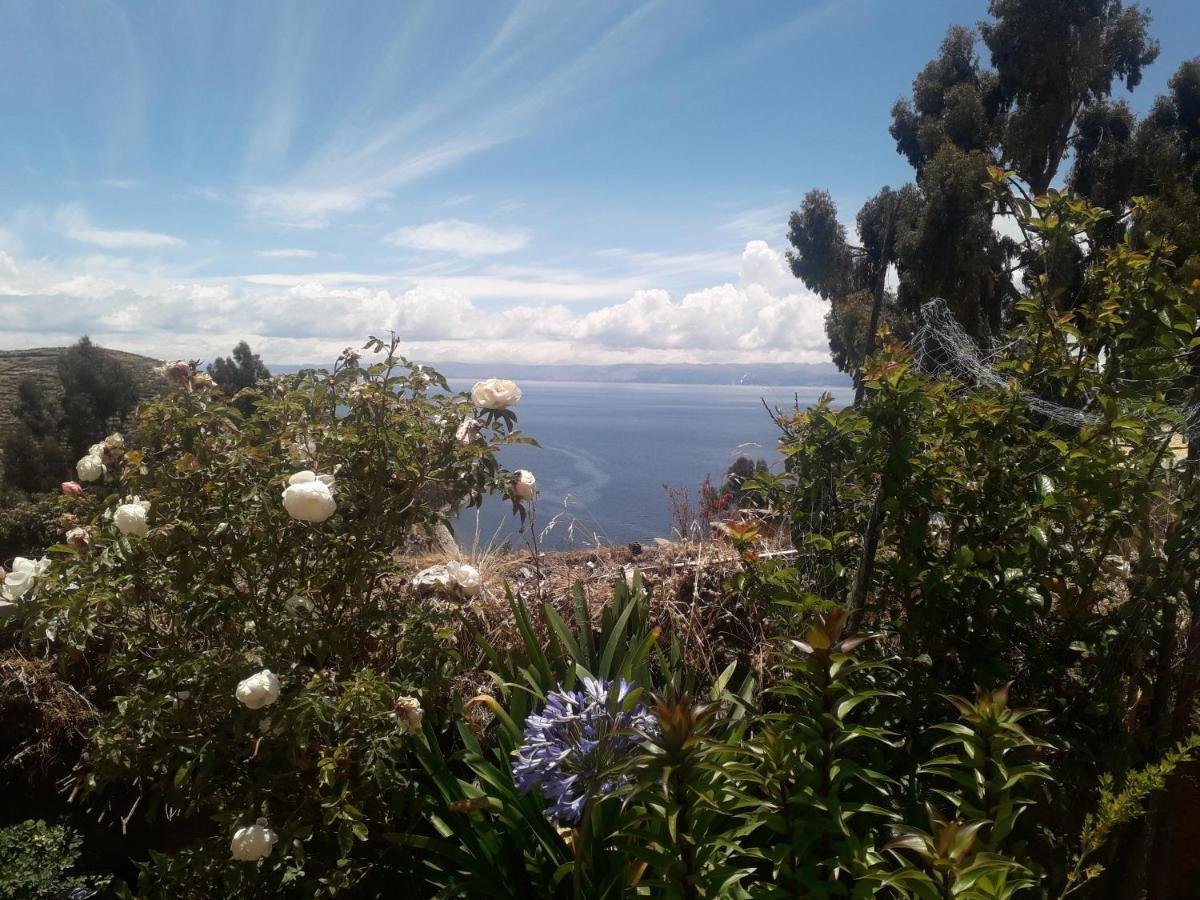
point(877, 306)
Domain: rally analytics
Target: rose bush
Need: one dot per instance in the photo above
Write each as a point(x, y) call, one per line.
point(251, 658)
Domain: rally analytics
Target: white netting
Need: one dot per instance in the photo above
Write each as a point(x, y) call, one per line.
point(941, 345)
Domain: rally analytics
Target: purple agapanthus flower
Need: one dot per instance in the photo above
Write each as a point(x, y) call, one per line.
point(571, 746)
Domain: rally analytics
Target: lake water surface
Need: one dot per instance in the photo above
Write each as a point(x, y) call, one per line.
point(607, 450)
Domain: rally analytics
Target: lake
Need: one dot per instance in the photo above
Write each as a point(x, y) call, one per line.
point(607, 450)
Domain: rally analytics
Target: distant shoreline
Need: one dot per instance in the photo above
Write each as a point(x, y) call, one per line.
point(766, 375)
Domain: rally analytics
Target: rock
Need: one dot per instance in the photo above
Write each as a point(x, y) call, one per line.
point(444, 541)
point(433, 580)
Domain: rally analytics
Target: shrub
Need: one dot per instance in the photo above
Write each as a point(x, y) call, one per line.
point(228, 581)
point(39, 861)
point(28, 524)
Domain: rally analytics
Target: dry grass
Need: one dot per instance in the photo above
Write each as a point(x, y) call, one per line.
point(46, 720)
point(686, 584)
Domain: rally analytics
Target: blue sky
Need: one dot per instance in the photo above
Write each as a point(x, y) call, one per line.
point(542, 181)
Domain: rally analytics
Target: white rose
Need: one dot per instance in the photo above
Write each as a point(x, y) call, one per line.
point(408, 710)
point(259, 690)
point(524, 484)
point(253, 842)
point(465, 578)
point(130, 517)
point(20, 580)
point(90, 468)
point(495, 393)
point(468, 431)
point(309, 497)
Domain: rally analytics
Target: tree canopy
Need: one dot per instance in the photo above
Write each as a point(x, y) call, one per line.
point(1045, 97)
point(244, 369)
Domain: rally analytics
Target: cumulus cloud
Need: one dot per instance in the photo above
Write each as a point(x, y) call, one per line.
point(459, 237)
point(75, 224)
point(763, 316)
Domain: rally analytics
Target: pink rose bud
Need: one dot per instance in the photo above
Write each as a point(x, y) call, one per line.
point(72, 488)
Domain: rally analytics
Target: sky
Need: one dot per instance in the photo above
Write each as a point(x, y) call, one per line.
point(544, 182)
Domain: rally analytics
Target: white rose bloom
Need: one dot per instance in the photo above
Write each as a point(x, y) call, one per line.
point(20, 580)
point(259, 690)
point(253, 842)
point(465, 578)
point(495, 393)
point(130, 517)
point(524, 484)
point(468, 431)
point(408, 710)
point(309, 497)
point(90, 468)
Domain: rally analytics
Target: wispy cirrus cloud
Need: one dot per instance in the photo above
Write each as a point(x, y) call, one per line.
point(758, 221)
point(287, 253)
point(75, 224)
point(531, 64)
point(459, 237)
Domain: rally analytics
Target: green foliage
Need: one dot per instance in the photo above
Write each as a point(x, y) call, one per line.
point(1053, 68)
point(985, 759)
point(815, 770)
point(996, 543)
point(1119, 806)
point(244, 369)
point(486, 824)
point(161, 629)
point(40, 861)
point(34, 458)
point(98, 394)
point(29, 524)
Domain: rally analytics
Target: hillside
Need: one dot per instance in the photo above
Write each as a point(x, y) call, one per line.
point(42, 364)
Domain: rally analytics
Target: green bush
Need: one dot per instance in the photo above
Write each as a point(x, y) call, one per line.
point(39, 861)
point(29, 523)
point(195, 577)
point(980, 627)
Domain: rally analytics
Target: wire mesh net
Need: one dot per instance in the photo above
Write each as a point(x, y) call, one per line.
point(942, 346)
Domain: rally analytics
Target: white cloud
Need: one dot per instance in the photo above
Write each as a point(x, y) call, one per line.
point(459, 237)
point(75, 224)
point(287, 253)
point(283, 279)
point(302, 207)
point(769, 220)
point(765, 316)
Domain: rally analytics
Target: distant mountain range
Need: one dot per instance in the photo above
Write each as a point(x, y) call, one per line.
point(762, 375)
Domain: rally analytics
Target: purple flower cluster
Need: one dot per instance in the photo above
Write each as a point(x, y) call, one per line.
point(572, 747)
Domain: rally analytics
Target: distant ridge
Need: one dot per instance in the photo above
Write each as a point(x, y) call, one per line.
point(759, 375)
